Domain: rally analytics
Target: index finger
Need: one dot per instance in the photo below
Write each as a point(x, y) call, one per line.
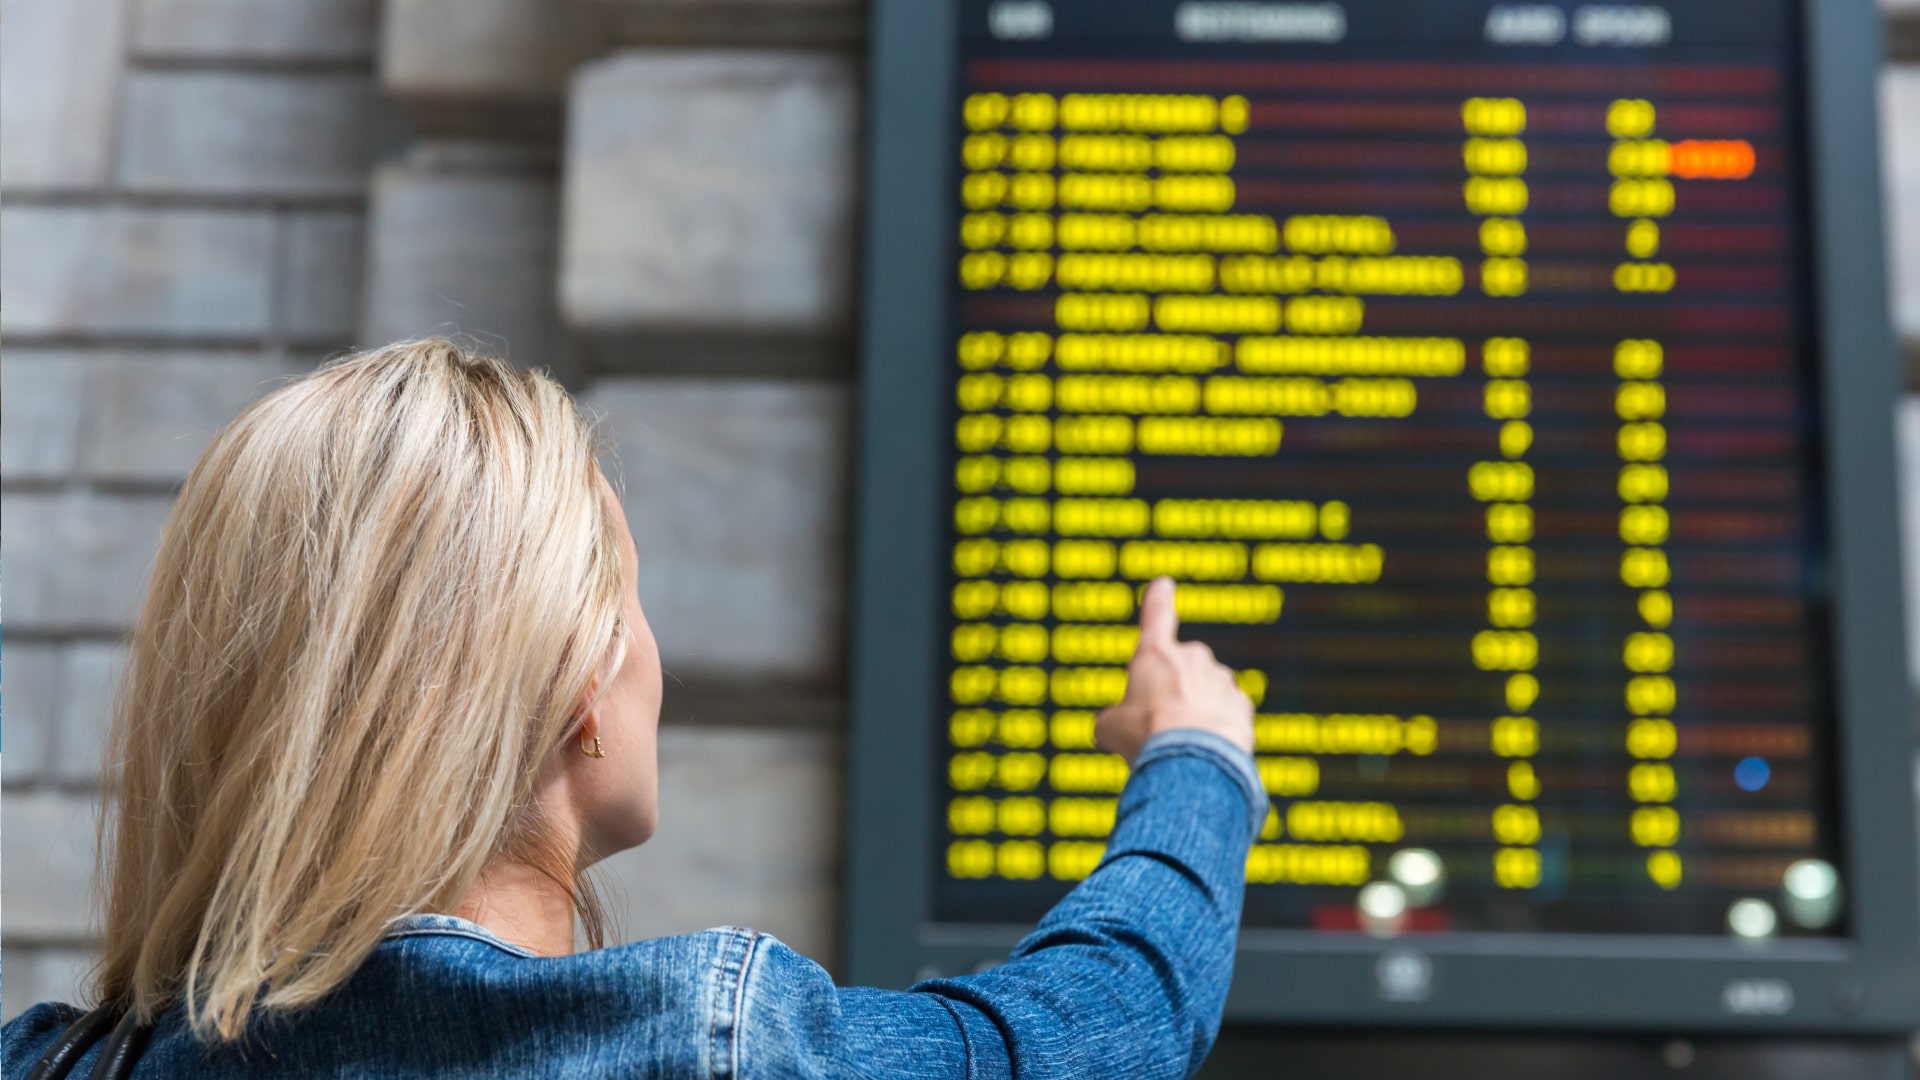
point(1159, 622)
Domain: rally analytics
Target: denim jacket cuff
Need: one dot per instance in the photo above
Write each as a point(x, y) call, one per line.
point(1236, 762)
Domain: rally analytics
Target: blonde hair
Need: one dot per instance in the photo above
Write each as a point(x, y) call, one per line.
point(379, 604)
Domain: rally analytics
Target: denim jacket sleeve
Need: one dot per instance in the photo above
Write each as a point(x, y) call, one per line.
point(1127, 976)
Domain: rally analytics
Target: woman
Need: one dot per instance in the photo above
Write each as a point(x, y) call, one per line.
point(392, 693)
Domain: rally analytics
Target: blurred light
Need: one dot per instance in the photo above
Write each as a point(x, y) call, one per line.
point(1404, 975)
point(1751, 918)
point(1383, 907)
point(1812, 879)
point(1752, 774)
point(1812, 893)
point(1383, 900)
point(1420, 874)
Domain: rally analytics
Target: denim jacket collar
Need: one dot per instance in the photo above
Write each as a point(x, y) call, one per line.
point(424, 925)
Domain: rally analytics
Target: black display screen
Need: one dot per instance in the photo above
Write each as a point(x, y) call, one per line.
point(1457, 360)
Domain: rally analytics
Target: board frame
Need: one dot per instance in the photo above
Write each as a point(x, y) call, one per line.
point(1866, 983)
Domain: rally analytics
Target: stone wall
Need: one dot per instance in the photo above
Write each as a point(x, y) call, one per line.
point(655, 198)
point(185, 199)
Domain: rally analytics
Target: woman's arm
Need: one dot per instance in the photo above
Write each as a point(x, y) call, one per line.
point(1128, 975)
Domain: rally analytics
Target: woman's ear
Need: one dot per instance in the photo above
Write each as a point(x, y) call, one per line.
point(586, 722)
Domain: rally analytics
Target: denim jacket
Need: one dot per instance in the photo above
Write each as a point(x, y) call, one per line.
point(1126, 977)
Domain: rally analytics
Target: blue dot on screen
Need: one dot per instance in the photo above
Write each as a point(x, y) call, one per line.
point(1752, 774)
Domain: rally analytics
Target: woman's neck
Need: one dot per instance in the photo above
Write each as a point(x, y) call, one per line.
point(523, 906)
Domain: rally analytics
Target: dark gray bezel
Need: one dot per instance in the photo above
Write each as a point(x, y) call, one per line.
point(1869, 982)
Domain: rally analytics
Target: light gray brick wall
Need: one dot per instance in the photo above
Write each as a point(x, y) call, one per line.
point(711, 190)
point(149, 414)
point(462, 242)
point(102, 271)
point(833, 23)
point(320, 272)
point(185, 190)
point(278, 135)
point(705, 272)
point(736, 495)
point(45, 891)
point(309, 30)
point(1907, 430)
point(58, 91)
point(40, 407)
point(50, 838)
point(474, 55)
point(89, 677)
point(1900, 122)
point(749, 836)
point(77, 560)
point(43, 974)
point(31, 688)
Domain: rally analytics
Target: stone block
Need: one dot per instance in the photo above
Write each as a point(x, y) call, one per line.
point(78, 562)
point(1907, 443)
point(711, 192)
point(46, 889)
point(149, 415)
point(89, 682)
point(16, 983)
point(749, 835)
point(476, 66)
point(1900, 120)
point(37, 975)
point(452, 251)
point(173, 273)
point(321, 277)
point(39, 413)
point(248, 133)
point(325, 261)
point(59, 83)
point(252, 30)
point(735, 22)
point(736, 493)
point(29, 707)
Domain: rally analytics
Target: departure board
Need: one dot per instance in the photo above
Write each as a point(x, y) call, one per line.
point(1456, 359)
point(1507, 387)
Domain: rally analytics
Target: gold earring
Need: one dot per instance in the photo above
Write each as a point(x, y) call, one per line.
point(595, 752)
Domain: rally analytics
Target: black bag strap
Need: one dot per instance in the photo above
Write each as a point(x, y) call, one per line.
point(122, 1050)
point(73, 1045)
